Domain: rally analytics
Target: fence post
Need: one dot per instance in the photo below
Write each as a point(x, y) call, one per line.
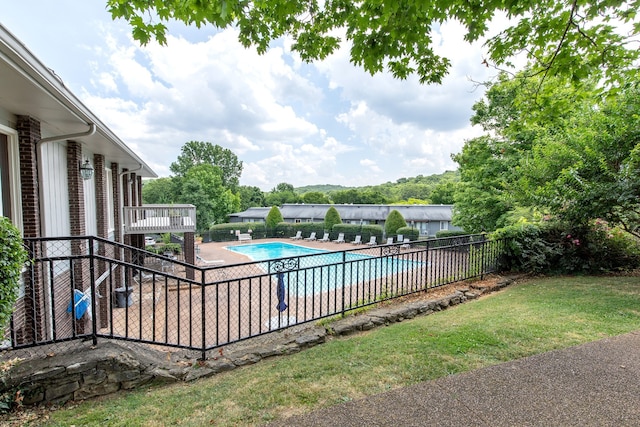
point(482, 261)
point(92, 290)
point(344, 276)
point(426, 264)
point(202, 304)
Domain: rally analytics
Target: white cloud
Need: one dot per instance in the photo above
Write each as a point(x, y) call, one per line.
point(288, 121)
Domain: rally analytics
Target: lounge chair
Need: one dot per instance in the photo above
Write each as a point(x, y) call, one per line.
point(400, 238)
point(311, 237)
point(357, 241)
point(389, 240)
point(340, 238)
point(405, 244)
point(372, 241)
point(298, 236)
point(325, 238)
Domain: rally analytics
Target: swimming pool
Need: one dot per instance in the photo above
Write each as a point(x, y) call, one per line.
point(273, 250)
point(309, 271)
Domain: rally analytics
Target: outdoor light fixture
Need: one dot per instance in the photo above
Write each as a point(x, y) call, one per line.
point(86, 170)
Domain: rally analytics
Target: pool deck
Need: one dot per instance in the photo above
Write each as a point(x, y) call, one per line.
point(215, 253)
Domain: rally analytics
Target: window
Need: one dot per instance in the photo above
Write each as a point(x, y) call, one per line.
point(10, 194)
point(444, 225)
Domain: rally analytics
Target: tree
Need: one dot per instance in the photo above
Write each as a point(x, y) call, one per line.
point(195, 153)
point(394, 221)
point(202, 187)
point(570, 38)
point(575, 157)
point(250, 197)
point(160, 191)
point(283, 187)
point(359, 196)
point(315, 198)
point(590, 168)
point(274, 217)
point(443, 193)
point(13, 256)
point(331, 218)
point(281, 194)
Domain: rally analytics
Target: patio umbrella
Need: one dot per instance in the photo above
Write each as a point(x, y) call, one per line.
point(282, 306)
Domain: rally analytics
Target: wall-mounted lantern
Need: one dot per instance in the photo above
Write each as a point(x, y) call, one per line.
point(86, 170)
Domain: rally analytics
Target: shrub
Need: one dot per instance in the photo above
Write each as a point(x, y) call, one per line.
point(331, 218)
point(227, 232)
point(352, 230)
point(560, 248)
point(394, 221)
point(274, 217)
point(13, 256)
point(450, 233)
point(306, 227)
point(410, 233)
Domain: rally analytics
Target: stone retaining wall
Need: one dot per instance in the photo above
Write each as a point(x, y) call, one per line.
point(111, 366)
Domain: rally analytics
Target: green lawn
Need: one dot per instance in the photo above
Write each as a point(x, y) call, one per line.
point(533, 317)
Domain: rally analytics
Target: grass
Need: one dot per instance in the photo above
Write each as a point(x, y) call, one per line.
point(533, 317)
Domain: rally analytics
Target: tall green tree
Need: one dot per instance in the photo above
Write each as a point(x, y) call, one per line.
point(160, 191)
point(331, 218)
point(195, 153)
point(394, 221)
point(250, 197)
point(202, 187)
point(315, 198)
point(274, 217)
point(590, 167)
point(367, 196)
point(281, 194)
point(570, 38)
point(574, 157)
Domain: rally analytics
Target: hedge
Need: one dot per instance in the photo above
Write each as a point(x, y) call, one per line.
point(410, 233)
point(352, 230)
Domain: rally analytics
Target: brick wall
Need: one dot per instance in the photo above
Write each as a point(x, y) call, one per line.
point(31, 307)
point(77, 224)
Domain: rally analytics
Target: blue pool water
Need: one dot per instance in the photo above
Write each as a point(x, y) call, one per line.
point(310, 271)
point(273, 250)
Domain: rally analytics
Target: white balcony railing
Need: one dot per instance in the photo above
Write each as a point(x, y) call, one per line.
point(159, 219)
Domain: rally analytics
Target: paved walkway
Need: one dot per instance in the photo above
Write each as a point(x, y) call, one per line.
point(595, 384)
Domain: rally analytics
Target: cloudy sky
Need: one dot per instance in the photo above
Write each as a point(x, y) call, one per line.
point(321, 123)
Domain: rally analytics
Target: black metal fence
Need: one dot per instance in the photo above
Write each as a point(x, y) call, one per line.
point(86, 288)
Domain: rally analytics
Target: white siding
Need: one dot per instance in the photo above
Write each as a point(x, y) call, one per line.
point(54, 190)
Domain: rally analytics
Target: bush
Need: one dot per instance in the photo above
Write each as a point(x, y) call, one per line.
point(13, 256)
point(410, 233)
point(306, 227)
point(450, 233)
point(559, 248)
point(227, 232)
point(274, 217)
point(331, 218)
point(352, 230)
point(394, 221)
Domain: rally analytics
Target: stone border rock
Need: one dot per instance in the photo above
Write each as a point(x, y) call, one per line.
point(89, 371)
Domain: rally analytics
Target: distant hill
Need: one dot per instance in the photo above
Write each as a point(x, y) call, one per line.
point(322, 188)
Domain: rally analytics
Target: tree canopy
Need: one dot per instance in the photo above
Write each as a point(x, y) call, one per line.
point(195, 153)
point(567, 37)
point(573, 157)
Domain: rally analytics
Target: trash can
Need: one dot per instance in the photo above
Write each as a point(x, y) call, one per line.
point(123, 297)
